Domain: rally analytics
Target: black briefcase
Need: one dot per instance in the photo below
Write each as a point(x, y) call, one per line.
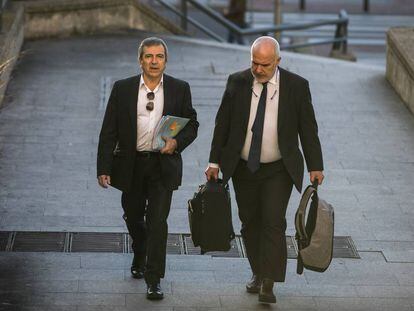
point(209, 214)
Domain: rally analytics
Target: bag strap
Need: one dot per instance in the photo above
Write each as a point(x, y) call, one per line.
point(299, 267)
point(300, 219)
point(300, 223)
point(232, 234)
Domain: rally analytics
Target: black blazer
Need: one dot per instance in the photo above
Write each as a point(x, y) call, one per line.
point(118, 137)
point(295, 118)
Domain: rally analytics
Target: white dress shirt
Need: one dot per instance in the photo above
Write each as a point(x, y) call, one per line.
point(147, 120)
point(270, 147)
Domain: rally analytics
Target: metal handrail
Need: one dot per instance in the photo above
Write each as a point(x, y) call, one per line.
point(205, 9)
point(3, 4)
point(277, 28)
point(302, 45)
point(339, 42)
point(193, 22)
point(365, 5)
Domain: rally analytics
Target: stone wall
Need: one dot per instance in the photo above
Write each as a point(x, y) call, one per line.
point(11, 40)
point(400, 63)
point(68, 17)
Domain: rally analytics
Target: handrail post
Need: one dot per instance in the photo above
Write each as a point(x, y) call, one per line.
point(2, 5)
point(184, 10)
point(338, 30)
point(341, 30)
point(277, 18)
point(344, 33)
point(340, 48)
point(302, 5)
point(366, 6)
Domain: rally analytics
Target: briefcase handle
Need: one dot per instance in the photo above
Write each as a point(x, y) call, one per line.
point(315, 184)
point(217, 184)
point(301, 235)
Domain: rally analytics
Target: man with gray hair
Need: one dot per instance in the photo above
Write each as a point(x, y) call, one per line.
point(127, 161)
point(255, 142)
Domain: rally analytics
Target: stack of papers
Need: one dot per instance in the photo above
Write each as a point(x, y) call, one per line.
point(168, 127)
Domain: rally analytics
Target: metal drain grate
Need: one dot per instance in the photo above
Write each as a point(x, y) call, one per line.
point(175, 244)
point(4, 240)
point(39, 242)
point(235, 250)
point(98, 242)
point(129, 241)
point(292, 249)
point(110, 242)
point(344, 247)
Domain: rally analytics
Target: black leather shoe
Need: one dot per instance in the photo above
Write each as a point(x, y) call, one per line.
point(138, 267)
point(266, 292)
point(254, 285)
point(154, 292)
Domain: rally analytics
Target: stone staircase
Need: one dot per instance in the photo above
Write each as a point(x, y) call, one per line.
point(49, 127)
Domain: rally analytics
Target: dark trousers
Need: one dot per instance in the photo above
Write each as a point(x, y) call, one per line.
point(146, 208)
point(262, 199)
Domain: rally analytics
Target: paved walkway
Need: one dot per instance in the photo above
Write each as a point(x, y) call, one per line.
point(49, 128)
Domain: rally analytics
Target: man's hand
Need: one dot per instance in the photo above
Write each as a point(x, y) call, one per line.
point(316, 175)
point(211, 173)
point(170, 146)
point(104, 181)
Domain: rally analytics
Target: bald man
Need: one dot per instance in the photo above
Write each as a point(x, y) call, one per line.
point(255, 142)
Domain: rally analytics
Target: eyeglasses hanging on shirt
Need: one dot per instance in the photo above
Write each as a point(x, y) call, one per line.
point(271, 98)
point(150, 104)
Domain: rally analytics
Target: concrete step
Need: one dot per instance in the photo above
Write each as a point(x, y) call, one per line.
point(90, 282)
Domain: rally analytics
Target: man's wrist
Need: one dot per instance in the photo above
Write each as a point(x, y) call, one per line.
point(213, 165)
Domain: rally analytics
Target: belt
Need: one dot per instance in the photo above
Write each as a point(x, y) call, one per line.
point(146, 154)
point(278, 164)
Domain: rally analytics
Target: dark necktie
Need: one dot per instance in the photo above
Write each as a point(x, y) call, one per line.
point(253, 162)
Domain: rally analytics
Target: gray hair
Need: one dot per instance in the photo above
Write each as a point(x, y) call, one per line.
point(151, 41)
point(266, 39)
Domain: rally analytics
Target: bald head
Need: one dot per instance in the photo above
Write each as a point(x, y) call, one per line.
point(266, 44)
point(265, 57)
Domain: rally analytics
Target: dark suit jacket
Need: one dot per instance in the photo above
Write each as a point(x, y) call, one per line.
point(295, 117)
point(119, 129)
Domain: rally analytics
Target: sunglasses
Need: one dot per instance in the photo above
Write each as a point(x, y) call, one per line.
point(150, 104)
